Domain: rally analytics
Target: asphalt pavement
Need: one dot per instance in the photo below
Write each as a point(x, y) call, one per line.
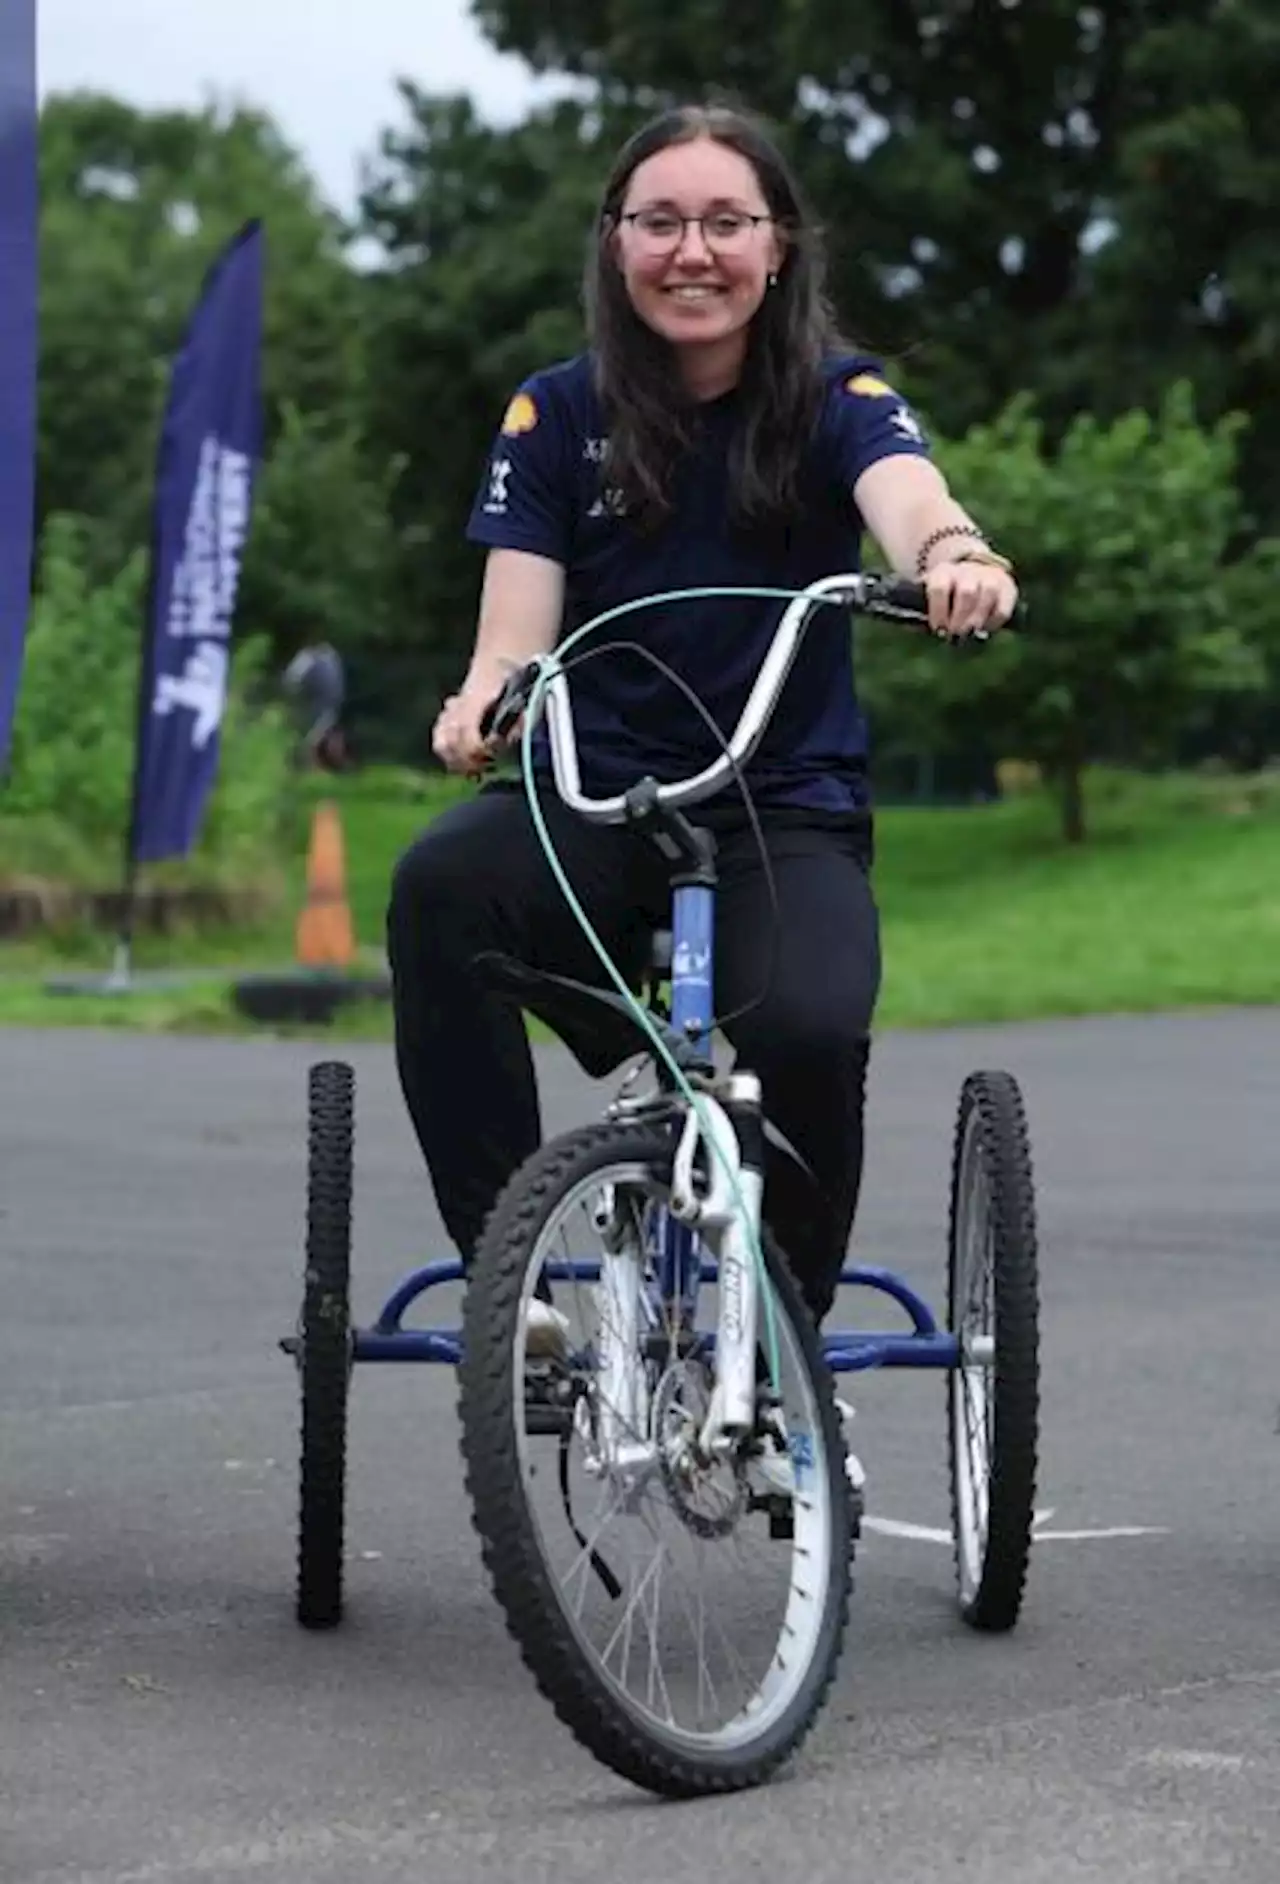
point(163, 1720)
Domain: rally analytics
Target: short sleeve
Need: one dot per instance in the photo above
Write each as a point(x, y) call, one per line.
point(867, 420)
point(525, 498)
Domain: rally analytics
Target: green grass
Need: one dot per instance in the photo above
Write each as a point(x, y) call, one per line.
point(1174, 901)
point(987, 915)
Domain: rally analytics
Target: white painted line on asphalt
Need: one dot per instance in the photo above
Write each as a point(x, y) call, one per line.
point(1193, 1760)
point(1114, 1530)
point(926, 1534)
point(895, 1527)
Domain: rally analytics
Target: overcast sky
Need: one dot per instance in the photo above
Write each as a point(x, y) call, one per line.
point(324, 69)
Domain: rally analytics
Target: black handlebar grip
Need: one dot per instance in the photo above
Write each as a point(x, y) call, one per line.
point(902, 596)
point(901, 592)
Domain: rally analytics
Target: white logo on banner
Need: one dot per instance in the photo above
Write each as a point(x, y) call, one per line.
point(201, 687)
point(204, 587)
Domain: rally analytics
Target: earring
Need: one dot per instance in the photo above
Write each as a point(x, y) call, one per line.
point(773, 281)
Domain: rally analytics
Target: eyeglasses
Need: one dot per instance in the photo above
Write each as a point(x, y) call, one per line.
point(723, 229)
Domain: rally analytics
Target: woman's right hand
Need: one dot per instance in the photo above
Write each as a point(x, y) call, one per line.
point(456, 739)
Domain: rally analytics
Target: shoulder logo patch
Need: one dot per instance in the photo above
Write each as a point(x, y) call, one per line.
point(521, 416)
point(867, 386)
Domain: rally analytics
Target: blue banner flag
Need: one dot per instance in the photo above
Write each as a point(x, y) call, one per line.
point(209, 447)
point(18, 296)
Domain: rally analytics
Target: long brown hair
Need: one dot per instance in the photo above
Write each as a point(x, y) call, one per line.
point(651, 418)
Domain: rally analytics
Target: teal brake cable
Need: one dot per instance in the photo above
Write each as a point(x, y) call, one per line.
point(549, 666)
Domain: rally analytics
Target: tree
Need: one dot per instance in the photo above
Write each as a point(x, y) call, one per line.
point(483, 235)
point(1079, 200)
point(134, 207)
point(1121, 538)
point(1244, 732)
point(321, 559)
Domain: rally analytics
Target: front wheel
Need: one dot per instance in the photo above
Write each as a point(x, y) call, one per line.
point(993, 1402)
point(682, 1615)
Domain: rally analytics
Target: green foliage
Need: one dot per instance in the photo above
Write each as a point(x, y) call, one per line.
point(998, 184)
point(485, 234)
point(1079, 201)
point(73, 742)
point(1121, 539)
point(134, 207)
point(321, 562)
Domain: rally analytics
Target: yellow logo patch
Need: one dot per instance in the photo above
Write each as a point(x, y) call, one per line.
point(521, 416)
point(868, 386)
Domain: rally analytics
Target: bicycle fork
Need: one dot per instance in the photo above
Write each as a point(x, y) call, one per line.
point(718, 1195)
point(722, 1202)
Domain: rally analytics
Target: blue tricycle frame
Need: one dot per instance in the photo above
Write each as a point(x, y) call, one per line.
point(846, 1350)
point(684, 953)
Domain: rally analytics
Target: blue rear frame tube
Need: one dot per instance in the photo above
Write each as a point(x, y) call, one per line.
point(847, 1350)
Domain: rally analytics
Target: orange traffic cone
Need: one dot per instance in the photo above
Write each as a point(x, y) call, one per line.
point(325, 936)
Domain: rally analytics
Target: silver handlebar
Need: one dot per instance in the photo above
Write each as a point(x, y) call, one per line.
point(848, 589)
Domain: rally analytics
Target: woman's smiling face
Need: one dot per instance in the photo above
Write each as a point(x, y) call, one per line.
point(697, 282)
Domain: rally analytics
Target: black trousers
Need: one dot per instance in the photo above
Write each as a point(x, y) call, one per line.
point(477, 880)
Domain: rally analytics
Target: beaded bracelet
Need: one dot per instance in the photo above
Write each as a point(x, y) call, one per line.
point(940, 536)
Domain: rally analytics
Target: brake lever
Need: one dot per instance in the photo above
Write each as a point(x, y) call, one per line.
point(503, 712)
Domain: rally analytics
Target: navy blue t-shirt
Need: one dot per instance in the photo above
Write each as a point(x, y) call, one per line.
point(541, 492)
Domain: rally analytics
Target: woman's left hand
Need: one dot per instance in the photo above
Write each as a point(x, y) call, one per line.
point(969, 597)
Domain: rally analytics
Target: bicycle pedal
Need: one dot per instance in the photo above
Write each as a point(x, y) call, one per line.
point(782, 1521)
point(779, 1512)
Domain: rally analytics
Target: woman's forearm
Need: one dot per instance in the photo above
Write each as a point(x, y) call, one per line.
point(521, 604)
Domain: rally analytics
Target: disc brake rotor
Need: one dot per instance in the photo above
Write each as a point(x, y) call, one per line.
point(708, 1495)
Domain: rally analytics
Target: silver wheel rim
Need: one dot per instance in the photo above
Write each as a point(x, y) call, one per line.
point(773, 1669)
point(972, 1402)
